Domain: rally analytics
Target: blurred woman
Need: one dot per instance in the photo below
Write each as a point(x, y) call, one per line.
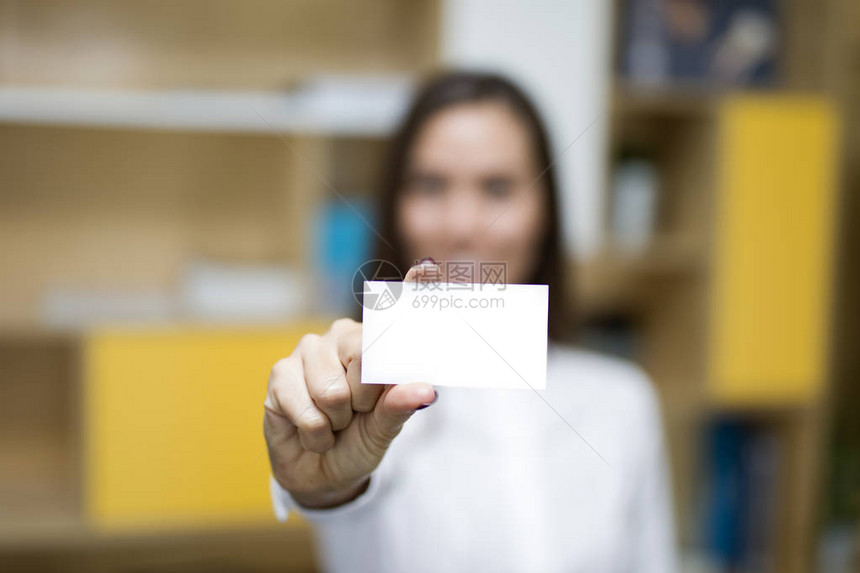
point(571, 478)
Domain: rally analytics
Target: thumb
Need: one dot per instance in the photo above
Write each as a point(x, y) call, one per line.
point(396, 405)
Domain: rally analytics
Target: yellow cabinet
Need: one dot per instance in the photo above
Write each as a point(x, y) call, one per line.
point(173, 426)
point(773, 252)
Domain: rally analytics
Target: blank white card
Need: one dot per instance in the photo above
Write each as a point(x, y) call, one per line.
point(455, 334)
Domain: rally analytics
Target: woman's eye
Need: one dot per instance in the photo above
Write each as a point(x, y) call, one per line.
point(428, 185)
point(498, 188)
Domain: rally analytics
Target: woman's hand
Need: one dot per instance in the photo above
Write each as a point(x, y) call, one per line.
point(326, 432)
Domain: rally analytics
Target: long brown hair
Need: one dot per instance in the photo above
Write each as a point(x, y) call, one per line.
point(455, 88)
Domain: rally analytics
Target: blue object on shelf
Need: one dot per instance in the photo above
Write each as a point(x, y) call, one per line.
point(724, 517)
point(342, 241)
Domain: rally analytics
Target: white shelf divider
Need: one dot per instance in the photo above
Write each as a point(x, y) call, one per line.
point(329, 106)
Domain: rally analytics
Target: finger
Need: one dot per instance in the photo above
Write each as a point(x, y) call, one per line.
point(281, 435)
point(426, 271)
point(326, 380)
point(393, 409)
point(364, 396)
point(288, 396)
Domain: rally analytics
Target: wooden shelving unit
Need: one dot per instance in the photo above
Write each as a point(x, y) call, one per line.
point(131, 145)
point(48, 520)
point(667, 291)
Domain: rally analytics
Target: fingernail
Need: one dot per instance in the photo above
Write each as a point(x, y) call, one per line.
point(427, 260)
point(435, 397)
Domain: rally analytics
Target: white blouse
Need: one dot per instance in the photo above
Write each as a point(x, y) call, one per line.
point(571, 478)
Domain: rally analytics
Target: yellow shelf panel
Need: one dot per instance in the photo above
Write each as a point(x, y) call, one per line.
point(173, 426)
point(774, 245)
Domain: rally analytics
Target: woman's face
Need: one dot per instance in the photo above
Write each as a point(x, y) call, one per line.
point(469, 193)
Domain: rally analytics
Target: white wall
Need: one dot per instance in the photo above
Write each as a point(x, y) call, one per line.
point(559, 50)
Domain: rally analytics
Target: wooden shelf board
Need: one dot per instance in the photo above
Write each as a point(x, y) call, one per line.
point(72, 546)
point(678, 101)
point(769, 408)
point(70, 530)
point(615, 279)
